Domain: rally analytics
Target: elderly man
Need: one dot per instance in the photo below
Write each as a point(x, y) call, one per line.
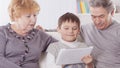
point(103, 34)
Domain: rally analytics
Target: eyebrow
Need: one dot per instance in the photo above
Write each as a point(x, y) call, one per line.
point(98, 15)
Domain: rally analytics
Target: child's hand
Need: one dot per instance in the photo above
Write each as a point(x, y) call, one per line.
point(87, 59)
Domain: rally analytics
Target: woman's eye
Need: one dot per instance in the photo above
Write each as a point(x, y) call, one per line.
point(35, 15)
point(28, 16)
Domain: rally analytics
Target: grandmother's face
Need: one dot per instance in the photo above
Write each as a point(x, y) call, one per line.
point(27, 21)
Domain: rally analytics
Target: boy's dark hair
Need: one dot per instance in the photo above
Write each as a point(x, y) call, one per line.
point(68, 17)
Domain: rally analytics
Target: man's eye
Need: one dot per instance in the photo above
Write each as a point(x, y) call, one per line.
point(102, 16)
point(93, 16)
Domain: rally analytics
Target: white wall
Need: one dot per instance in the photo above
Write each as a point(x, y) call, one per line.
point(50, 11)
point(4, 17)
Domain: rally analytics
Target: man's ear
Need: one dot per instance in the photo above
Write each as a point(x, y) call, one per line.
point(113, 11)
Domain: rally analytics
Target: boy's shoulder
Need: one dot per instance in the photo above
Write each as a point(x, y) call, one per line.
point(55, 47)
point(56, 44)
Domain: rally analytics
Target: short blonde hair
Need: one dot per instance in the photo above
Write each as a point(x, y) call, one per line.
point(20, 7)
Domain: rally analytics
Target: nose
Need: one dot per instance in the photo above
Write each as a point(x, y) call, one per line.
point(97, 20)
point(70, 30)
point(33, 19)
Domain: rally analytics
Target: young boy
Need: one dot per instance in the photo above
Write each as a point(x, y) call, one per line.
point(69, 28)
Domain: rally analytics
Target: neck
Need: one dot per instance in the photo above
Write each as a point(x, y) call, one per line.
point(72, 44)
point(110, 22)
point(18, 30)
point(62, 40)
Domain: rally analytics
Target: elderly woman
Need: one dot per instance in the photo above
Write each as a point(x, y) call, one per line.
point(20, 44)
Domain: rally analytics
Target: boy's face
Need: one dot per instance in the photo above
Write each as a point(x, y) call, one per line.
point(69, 31)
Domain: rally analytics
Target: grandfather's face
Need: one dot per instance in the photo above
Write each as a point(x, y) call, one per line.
point(100, 17)
point(27, 21)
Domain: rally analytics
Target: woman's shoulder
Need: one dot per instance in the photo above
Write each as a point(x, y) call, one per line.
point(3, 29)
point(3, 32)
point(41, 33)
point(43, 36)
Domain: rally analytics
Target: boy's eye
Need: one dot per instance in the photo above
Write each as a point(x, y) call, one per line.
point(75, 28)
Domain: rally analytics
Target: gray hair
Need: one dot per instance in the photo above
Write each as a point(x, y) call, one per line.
point(107, 4)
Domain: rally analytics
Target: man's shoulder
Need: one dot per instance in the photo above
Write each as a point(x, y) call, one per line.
point(87, 26)
point(115, 25)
